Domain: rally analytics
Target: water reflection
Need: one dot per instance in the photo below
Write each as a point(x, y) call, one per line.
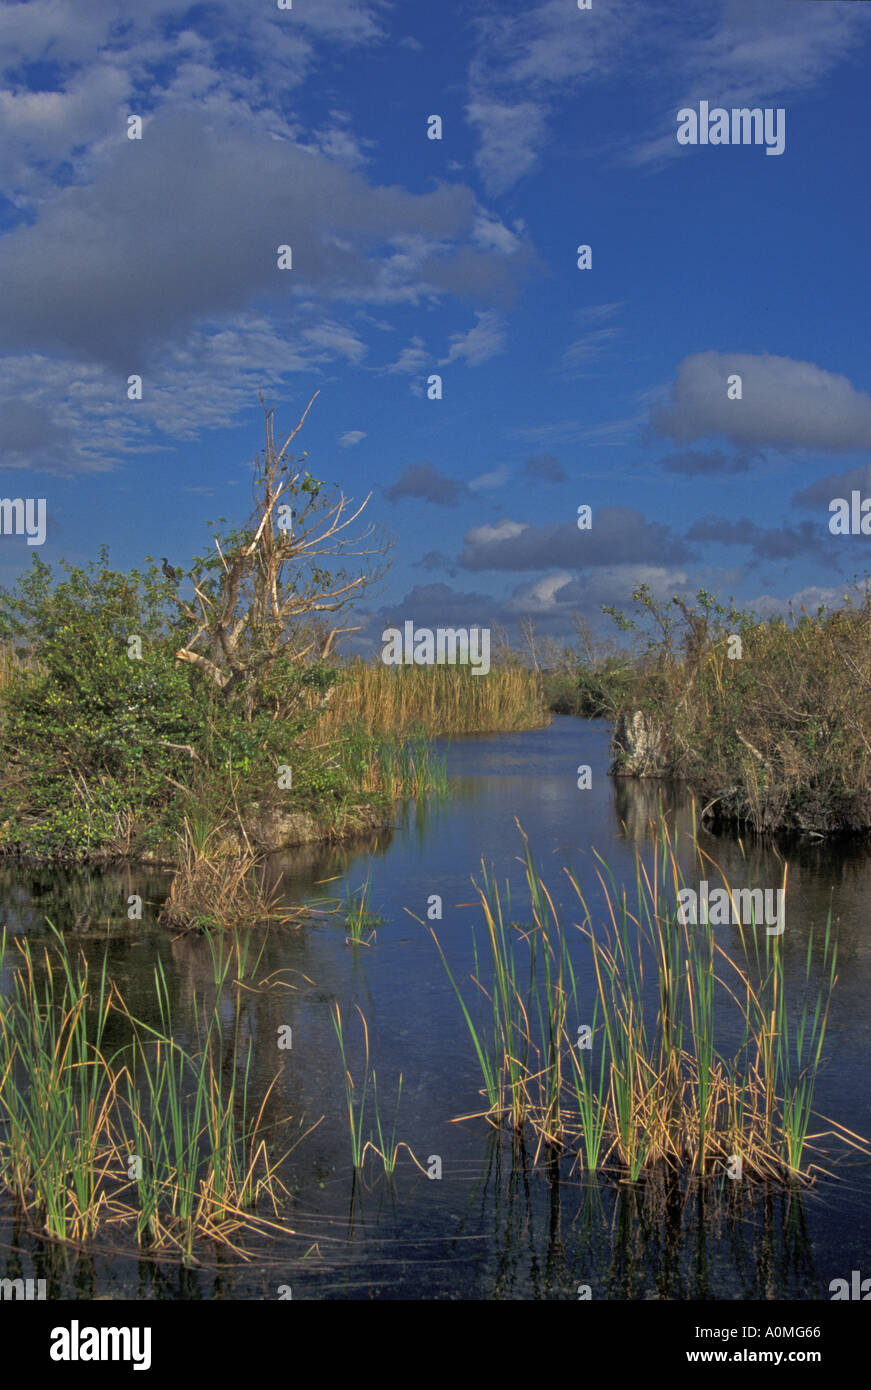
point(495, 1225)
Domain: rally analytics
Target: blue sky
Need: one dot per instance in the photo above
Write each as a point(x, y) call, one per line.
point(456, 256)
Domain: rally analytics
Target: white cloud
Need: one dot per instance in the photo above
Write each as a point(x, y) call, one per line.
point(769, 606)
point(495, 531)
point(411, 359)
point(733, 53)
point(785, 403)
point(510, 135)
point(229, 197)
point(336, 341)
point(485, 340)
point(351, 437)
point(485, 481)
point(540, 597)
point(589, 346)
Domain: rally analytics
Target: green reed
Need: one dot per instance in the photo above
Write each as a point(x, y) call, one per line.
point(360, 921)
point(656, 1088)
point(153, 1137)
point(356, 1097)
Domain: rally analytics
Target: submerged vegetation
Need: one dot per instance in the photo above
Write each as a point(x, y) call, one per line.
point(636, 1078)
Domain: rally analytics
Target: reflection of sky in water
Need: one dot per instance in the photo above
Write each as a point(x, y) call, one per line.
point(485, 1230)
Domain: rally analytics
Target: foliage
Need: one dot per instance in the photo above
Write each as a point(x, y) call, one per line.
point(768, 720)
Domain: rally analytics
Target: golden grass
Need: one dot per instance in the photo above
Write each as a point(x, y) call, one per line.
point(153, 1141)
point(433, 700)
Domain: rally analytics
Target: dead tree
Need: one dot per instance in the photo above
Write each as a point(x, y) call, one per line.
point(258, 596)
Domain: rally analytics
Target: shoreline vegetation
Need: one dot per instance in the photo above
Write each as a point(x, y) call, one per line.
point(767, 722)
point(187, 717)
point(682, 1064)
point(192, 716)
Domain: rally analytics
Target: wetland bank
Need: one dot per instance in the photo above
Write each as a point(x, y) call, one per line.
point(496, 1223)
point(325, 976)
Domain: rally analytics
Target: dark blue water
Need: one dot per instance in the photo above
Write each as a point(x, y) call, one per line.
point(494, 1225)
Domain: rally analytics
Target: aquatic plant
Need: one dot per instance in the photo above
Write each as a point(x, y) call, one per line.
point(356, 1096)
point(219, 892)
point(638, 1079)
point(359, 920)
point(152, 1138)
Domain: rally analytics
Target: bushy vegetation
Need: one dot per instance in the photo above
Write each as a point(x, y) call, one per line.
point(106, 753)
point(588, 678)
point(768, 720)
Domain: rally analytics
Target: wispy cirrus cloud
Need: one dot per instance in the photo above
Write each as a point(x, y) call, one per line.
point(485, 339)
point(532, 58)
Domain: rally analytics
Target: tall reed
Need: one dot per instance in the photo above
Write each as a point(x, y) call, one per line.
point(152, 1139)
point(634, 1078)
point(356, 1096)
point(432, 700)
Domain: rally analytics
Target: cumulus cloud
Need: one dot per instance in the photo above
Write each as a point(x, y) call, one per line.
point(204, 383)
point(768, 542)
point(785, 403)
point(809, 598)
point(232, 55)
point(29, 434)
point(618, 535)
point(187, 222)
point(834, 485)
point(561, 595)
point(351, 437)
point(494, 532)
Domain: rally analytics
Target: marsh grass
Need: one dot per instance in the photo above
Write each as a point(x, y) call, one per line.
point(150, 1140)
point(356, 1097)
point(360, 921)
point(778, 740)
point(213, 891)
point(659, 1084)
point(433, 701)
point(411, 768)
